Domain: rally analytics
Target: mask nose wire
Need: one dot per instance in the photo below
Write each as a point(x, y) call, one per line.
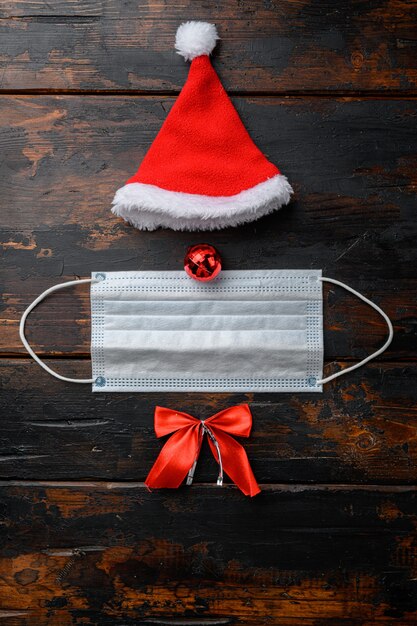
point(206, 429)
point(30, 308)
point(374, 354)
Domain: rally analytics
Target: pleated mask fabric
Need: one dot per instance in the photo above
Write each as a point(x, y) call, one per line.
point(245, 331)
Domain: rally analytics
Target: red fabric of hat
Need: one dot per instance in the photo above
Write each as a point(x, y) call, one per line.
point(203, 171)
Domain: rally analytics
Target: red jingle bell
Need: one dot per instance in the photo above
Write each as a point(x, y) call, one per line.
point(202, 262)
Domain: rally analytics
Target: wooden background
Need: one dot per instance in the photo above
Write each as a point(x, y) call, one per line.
point(328, 91)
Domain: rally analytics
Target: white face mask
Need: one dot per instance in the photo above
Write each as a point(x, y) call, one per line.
point(246, 331)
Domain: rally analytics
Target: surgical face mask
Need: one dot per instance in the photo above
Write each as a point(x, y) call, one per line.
point(245, 331)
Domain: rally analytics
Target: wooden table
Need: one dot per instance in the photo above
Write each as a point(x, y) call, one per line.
point(328, 91)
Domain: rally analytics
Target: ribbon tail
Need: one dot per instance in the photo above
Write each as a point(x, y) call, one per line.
point(235, 462)
point(174, 460)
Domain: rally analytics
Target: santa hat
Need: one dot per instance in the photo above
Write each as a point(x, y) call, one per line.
point(202, 171)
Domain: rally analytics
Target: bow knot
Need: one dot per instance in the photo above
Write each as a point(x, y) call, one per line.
point(178, 457)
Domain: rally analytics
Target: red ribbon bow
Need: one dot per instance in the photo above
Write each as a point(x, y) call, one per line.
point(180, 453)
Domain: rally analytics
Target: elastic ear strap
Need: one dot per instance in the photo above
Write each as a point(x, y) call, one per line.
point(371, 356)
point(25, 341)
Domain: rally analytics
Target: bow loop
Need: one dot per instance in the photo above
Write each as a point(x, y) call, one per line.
point(168, 421)
point(237, 420)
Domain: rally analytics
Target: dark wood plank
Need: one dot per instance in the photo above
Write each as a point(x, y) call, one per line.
point(295, 45)
point(360, 430)
point(352, 164)
point(329, 553)
point(307, 551)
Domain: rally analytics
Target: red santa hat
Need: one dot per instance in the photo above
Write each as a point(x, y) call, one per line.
point(203, 170)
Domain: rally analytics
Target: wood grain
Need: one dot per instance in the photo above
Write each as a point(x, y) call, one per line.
point(293, 45)
point(362, 429)
point(328, 91)
point(352, 164)
point(75, 551)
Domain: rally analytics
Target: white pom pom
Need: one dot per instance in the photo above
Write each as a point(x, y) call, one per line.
point(195, 38)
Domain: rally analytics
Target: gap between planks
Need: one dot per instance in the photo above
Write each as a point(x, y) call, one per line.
point(411, 94)
point(284, 487)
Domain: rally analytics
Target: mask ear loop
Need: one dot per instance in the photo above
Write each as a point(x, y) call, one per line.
point(374, 354)
point(23, 322)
